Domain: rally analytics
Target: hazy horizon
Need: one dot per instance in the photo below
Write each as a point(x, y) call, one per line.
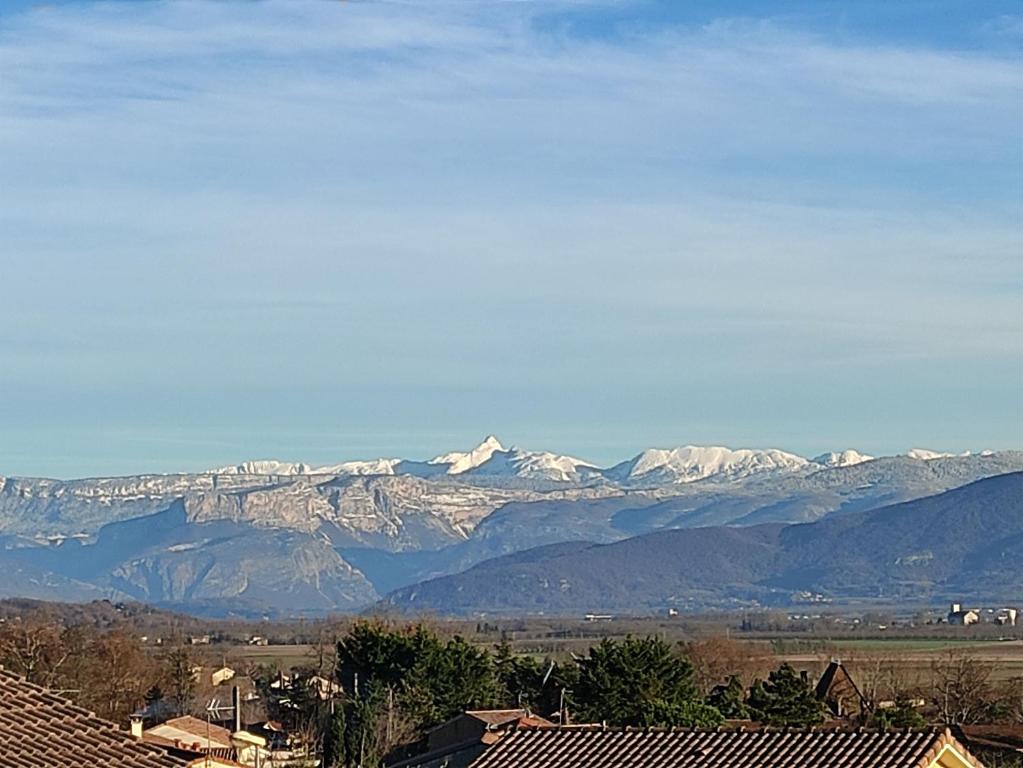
point(319, 231)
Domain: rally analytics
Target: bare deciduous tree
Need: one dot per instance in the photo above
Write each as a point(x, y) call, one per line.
point(34, 649)
point(717, 659)
point(961, 688)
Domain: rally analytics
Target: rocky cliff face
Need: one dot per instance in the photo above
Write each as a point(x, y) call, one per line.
point(396, 512)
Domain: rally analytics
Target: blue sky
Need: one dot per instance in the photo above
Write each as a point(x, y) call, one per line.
point(331, 230)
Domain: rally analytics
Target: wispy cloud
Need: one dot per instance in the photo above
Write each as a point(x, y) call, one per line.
point(444, 194)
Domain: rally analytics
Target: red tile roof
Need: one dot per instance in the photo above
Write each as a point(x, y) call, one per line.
point(41, 729)
point(599, 748)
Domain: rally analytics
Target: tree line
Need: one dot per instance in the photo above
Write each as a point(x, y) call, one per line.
point(399, 681)
point(110, 672)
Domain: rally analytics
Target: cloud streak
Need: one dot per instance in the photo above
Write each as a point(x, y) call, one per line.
point(321, 197)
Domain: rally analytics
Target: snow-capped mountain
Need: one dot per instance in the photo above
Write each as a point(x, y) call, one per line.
point(847, 458)
point(458, 461)
point(291, 468)
point(490, 458)
point(923, 454)
point(535, 465)
point(653, 467)
point(264, 467)
point(692, 462)
point(371, 467)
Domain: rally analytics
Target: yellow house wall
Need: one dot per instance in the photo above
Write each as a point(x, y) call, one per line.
point(949, 757)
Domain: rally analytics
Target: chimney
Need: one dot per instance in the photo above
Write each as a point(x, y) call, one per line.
point(956, 608)
point(236, 702)
point(136, 726)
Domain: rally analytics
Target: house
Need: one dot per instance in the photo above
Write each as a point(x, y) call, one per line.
point(839, 692)
point(221, 675)
point(189, 733)
point(250, 748)
point(633, 748)
point(1006, 617)
point(324, 687)
point(460, 740)
point(960, 617)
point(40, 728)
point(194, 737)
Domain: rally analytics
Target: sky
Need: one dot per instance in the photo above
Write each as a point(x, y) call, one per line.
point(324, 230)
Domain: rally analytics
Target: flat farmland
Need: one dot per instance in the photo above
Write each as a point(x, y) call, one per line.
point(912, 657)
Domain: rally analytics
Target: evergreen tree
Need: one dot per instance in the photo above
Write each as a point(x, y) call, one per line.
point(785, 698)
point(902, 715)
point(373, 655)
point(730, 700)
point(449, 679)
point(527, 682)
point(335, 746)
point(640, 682)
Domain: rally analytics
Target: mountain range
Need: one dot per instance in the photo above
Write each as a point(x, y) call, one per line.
point(291, 537)
point(963, 543)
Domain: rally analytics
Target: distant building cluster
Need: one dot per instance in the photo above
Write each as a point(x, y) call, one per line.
point(960, 616)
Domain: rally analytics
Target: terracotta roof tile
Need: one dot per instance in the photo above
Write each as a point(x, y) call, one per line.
point(39, 728)
point(593, 748)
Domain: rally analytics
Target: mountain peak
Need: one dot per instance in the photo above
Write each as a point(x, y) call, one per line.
point(924, 454)
point(846, 458)
point(695, 462)
point(463, 461)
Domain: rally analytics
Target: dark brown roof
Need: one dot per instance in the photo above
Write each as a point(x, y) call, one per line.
point(588, 748)
point(39, 728)
point(1005, 737)
point(836, 686)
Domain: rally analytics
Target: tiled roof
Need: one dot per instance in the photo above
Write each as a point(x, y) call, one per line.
point(497, 716)
point(192, 730)
point(1007, 736)
point(599, 748)
point(39, 729)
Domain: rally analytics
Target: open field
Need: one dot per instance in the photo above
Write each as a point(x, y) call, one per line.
point(810, 651)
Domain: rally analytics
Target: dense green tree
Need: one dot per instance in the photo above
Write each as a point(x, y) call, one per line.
point(448, 680)
point(335, 745)
point(730, 699)
point(640, 682)
point(527, 682)
point(372, 654)
point(785, 698)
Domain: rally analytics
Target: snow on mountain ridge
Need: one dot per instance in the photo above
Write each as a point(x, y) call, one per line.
point(538, 465)
point(292, 468)
point(924, 454)
point(263, 467)
point(490, 458)
point(846, 458)
point(459, 461)
point(693, 462)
